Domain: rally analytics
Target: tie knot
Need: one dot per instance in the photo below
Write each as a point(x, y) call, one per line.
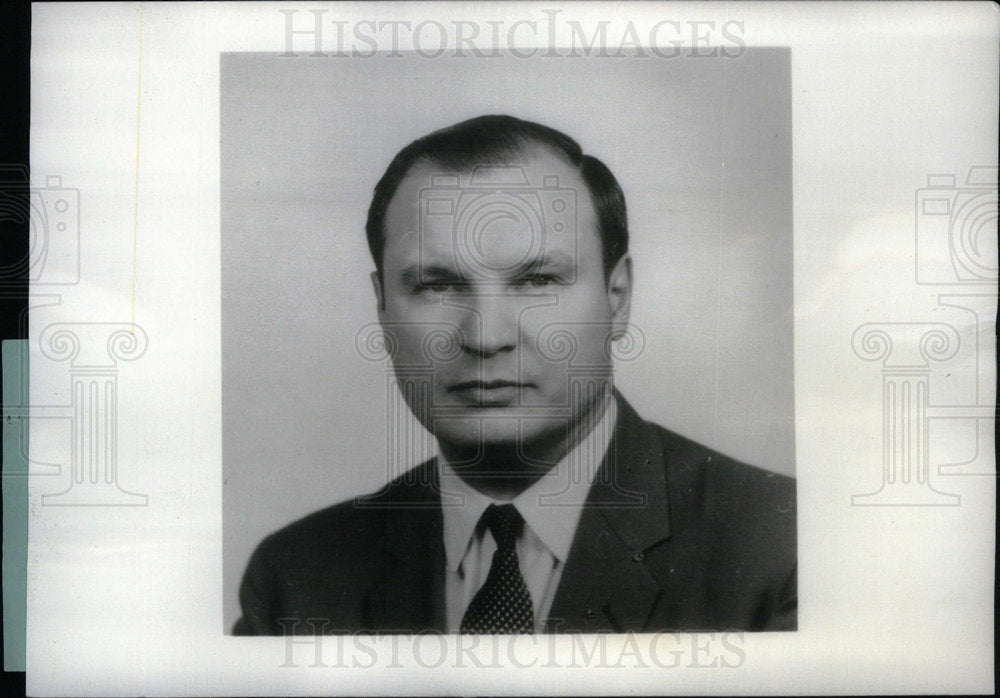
point(504, 522)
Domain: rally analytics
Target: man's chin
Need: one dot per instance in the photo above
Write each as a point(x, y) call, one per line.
point(498, 433)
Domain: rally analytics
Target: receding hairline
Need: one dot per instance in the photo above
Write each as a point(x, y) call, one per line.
point(523, 152)
point(429, 165)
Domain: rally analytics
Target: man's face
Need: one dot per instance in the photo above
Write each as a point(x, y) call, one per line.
point(495, 302)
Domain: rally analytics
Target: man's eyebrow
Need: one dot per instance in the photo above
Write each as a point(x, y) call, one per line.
point(553, 259)
point(418, 273)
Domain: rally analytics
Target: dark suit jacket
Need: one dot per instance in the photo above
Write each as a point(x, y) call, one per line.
point(674, 537)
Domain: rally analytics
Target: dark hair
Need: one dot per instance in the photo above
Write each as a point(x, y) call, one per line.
point(495, 139)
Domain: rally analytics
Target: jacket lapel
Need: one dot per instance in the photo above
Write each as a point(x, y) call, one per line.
point(605, 585)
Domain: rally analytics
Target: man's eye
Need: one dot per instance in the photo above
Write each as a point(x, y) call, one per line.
point(541, 280)
point(534, 281)
point(438, 286)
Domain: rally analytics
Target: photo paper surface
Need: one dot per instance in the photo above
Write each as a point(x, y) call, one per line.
point(704, 294)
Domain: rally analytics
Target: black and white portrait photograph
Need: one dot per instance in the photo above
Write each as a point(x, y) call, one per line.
point(422, 348)
point(484, 319)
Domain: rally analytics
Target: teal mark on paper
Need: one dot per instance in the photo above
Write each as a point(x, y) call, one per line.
point(15, 501)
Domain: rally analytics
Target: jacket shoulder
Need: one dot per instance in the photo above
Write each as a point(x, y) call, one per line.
point(722, 479)
point(323, 565)
point(358, 522)
point(737, 524)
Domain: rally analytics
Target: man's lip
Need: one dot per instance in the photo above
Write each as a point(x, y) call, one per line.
point(487, 385)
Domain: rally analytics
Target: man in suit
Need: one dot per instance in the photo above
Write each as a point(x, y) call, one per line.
point(503, 280)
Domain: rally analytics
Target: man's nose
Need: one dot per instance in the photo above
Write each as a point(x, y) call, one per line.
point(490, 323)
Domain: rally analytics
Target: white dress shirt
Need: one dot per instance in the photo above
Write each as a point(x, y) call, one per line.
point(551, 510)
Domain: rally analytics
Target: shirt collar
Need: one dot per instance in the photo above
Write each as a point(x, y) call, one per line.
point(551, 507)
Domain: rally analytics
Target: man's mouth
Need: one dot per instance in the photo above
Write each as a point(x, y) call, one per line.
point(493, 392)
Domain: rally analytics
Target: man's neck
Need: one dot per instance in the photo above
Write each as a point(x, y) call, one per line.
point(504, 471)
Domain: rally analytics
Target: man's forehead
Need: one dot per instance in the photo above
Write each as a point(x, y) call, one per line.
point(534, 189)
point(536, 167)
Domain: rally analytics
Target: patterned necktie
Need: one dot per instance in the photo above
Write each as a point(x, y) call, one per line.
point(502, 604)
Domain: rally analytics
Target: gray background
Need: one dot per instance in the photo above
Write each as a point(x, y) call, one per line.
point(702, 148)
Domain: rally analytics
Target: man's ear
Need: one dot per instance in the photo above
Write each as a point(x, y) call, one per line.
point(620, 294)
point(379, 292)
